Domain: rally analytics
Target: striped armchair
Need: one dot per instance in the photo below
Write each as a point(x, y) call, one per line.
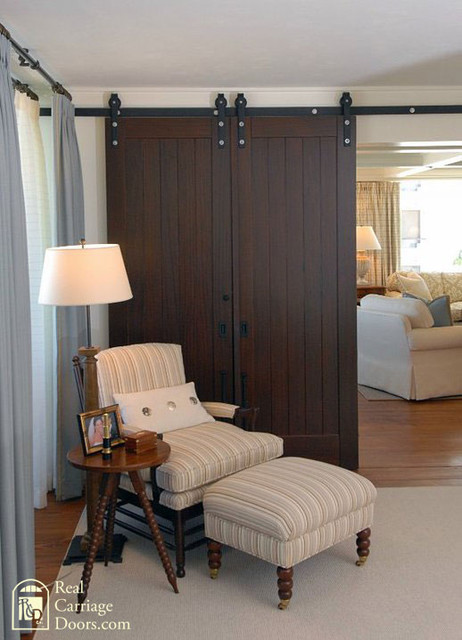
point(200, 455)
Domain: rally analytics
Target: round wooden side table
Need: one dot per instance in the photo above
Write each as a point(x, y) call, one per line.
point(131, 463)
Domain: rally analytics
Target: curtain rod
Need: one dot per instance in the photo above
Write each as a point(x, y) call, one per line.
point(35, 64)
point(24, 88)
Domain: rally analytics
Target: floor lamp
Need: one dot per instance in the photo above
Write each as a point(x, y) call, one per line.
point(84, 275)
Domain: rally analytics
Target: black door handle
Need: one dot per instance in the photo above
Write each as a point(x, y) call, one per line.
point(244, 379)
point(223, 381)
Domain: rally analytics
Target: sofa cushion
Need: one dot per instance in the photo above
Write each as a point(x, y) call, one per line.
point(205, 453)
point(452, 283)
point(434, 281)
point(439, 308)
point(415, 285)
point(416, 310)
point(437, 338)
point(162, 410)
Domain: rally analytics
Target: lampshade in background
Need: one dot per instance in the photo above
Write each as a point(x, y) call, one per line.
point(366, 240)
point(82, 275)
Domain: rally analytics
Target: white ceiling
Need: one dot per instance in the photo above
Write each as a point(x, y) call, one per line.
point(409, 161)
point(241, 43)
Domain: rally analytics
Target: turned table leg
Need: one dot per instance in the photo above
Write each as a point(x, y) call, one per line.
point(139, 487)
point(108, 538)
point(108, 487)
point(214, 556)
point(285, 585)
point(363, 543)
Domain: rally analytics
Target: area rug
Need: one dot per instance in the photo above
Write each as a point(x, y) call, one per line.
point(409, 588)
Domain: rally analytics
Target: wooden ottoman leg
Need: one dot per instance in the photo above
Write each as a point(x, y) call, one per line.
point(214, 555)
point(285, 585)
point(363, 543)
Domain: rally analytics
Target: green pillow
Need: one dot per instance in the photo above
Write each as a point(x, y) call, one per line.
point(438, 307)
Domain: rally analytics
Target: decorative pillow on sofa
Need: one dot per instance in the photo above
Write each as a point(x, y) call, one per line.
point(415, 284)
point(438, 307)
point(162, 410)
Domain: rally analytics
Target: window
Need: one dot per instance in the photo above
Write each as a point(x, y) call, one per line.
point(431, 225)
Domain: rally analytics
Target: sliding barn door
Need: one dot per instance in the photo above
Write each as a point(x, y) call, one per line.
point(245, 257)
point(169, 208)
point(295, 321)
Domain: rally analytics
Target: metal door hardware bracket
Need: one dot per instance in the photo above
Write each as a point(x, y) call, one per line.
point(241, 104)
point(346, 102)
point(114, 106)
point(220, 112)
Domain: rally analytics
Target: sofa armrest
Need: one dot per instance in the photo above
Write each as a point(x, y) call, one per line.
point(435, 338)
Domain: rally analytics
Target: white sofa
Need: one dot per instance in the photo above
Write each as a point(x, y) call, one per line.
point(400, 352)
point(438, 284)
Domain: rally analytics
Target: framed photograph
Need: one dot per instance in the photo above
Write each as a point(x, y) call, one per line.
point(91, 426)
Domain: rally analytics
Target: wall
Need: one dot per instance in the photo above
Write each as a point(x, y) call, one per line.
point(90, 134)
point(370, 129)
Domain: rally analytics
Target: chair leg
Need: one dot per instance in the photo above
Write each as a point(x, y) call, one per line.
point(214, 556)
point(179, 543)
point(285, 585)
point(363, 543)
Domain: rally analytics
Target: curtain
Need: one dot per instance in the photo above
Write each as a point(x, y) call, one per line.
point(377, 204)
point(16, 510)
point(70, 321)
point(38, 222)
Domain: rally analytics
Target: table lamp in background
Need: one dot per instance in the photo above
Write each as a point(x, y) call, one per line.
point(366, 240)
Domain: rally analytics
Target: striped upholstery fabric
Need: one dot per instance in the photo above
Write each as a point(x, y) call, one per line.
point(220, 409)
point(200, 454)
point(138, 367)
point(207, 452)
point(175, 501)
point(287, 510)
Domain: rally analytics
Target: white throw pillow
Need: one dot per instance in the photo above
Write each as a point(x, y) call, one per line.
point(162, 410)
point(416, 310)
point(415, 284)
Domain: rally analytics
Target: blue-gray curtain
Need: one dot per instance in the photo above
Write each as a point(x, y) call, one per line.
point(16, 496)
point(70, 321)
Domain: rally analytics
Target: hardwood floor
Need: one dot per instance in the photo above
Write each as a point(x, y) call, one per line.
point(405, 443)
point(54, 528)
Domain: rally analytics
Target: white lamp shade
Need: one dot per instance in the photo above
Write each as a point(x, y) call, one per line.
point(73, 276)
point(366, 239)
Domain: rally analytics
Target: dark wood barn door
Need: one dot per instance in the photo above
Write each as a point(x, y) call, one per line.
point(295, 319)
point(169, 208)
point(245, 257)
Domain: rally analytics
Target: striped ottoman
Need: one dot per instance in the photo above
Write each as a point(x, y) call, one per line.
point(285, 511)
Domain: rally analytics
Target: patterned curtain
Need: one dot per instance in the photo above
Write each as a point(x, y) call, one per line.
point(377, 204)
